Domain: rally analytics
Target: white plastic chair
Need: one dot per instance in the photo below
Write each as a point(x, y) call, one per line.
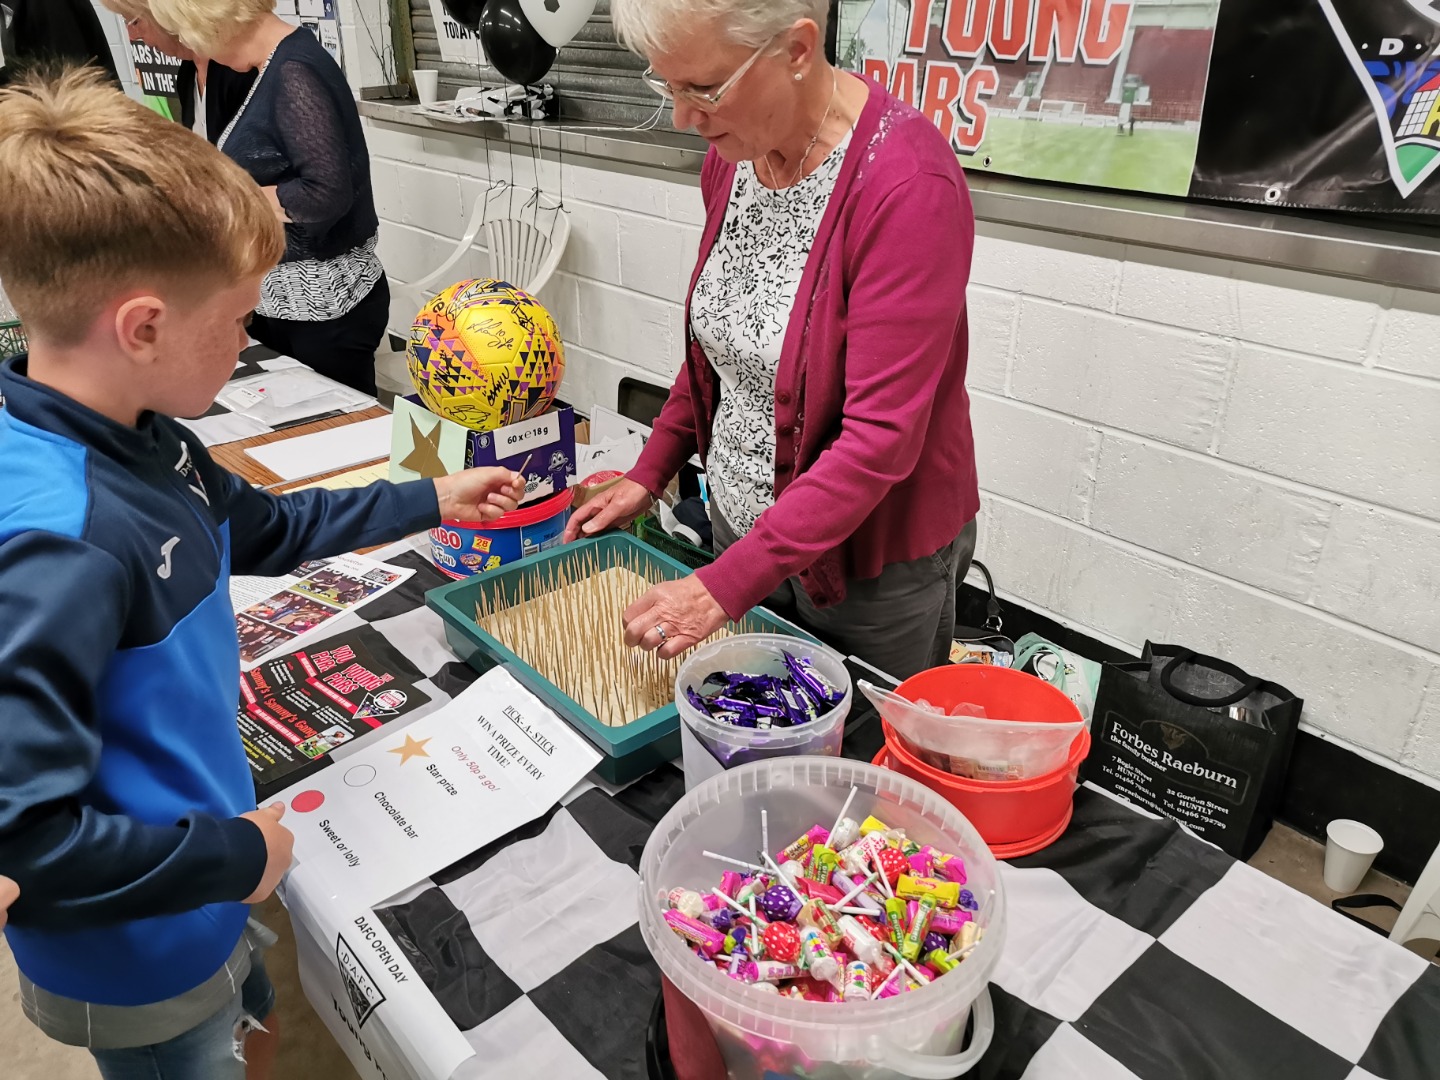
point(525, 233)
point(1420, 917)
point(525, 241)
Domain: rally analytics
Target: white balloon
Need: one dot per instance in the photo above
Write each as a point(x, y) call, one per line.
point(557, 21)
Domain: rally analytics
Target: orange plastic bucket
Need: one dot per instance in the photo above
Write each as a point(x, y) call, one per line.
point(1015, 817)
point(1000, 691)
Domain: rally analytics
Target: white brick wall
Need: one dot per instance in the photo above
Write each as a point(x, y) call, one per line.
point(1241, 459)
point(1262, 451)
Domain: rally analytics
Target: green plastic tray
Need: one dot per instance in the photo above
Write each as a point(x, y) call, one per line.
point(630, 750)
point(648, 529)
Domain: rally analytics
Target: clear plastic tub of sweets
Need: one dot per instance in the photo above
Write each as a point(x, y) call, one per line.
point(917, 1034)
point(759, 654)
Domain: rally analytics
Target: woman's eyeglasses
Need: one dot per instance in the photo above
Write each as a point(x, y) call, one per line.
point(705, 100)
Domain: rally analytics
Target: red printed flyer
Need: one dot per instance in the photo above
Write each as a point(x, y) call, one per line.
point(297, 708)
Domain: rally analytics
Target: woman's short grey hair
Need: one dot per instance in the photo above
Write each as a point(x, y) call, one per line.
point(651, 26)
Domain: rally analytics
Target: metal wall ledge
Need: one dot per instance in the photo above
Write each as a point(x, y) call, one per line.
point(1343, 247)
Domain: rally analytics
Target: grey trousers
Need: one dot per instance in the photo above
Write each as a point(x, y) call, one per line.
point(901, 622)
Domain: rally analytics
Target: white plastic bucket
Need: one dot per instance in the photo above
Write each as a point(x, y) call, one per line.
point(917, 1034)
point(730, 745)
point(972, 745)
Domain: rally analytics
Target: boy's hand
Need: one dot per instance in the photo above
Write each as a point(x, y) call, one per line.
point(479, 494)
point(279, 845)
point(9, 893)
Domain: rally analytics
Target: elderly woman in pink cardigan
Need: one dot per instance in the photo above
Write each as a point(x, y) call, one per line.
point(826, 330)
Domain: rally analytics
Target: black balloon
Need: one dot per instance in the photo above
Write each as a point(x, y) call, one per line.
point(465, 12)
point(512, 45)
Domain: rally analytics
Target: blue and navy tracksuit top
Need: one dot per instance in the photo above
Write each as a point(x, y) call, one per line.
point(121, 768)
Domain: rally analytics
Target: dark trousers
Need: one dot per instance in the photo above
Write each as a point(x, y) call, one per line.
point(900, 622)
point(343, 348)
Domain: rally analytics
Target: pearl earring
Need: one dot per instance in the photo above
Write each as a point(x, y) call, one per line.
point(798, 76)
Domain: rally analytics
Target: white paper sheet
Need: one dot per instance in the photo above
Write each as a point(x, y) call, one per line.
point(225, 427)
point(618, 454)
point(415, 801)
point(280, 363)
point(325, 451)
point(607, 425)
point(290, 394)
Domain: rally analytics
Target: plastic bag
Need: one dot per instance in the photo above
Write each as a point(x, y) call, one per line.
point(977, 747)
point(1076, 676)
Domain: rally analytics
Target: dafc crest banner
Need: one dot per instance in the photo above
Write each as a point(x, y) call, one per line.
point(1329, 104)
point(1107, 93)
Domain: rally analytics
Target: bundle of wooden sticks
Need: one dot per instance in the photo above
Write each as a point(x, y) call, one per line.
point(565, 620)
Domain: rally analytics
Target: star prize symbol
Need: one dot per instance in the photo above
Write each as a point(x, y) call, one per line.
point(410, 748)
point(424, 455)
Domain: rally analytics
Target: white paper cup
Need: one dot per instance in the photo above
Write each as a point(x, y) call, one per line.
point(427, 84)
point(1350, 848)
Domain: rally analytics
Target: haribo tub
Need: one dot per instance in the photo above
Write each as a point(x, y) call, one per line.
point(914, 1031)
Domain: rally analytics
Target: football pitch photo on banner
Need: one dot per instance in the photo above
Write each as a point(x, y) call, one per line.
point(1091, 92)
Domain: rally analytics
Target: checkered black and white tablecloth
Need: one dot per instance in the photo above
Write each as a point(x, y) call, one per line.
point(1133, 949)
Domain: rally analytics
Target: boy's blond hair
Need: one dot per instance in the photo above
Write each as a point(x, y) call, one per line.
point(207, 25)
point(101, 194)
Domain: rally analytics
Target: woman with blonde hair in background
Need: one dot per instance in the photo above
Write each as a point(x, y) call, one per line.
point(298, 134)
point(210, 94)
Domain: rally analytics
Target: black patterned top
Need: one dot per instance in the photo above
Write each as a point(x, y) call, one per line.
point(299, 131)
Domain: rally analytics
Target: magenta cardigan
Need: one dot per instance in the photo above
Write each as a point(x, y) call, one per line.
point(874, 459)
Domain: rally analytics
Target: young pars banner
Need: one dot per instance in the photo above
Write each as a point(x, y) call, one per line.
point(1096, 92)
point(1311, 104)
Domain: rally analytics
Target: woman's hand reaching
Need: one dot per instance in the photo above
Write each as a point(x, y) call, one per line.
point(672, 617)
point(614, 508)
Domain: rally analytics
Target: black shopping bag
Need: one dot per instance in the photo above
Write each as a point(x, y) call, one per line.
point(1195, 739)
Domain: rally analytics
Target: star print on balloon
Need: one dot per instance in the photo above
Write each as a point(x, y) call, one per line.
point(425, 452)
point(410, 748)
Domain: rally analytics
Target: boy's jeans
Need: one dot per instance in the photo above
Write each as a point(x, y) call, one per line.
point(213, 1050)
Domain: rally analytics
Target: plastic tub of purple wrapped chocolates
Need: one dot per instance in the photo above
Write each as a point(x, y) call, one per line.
point(755, 696)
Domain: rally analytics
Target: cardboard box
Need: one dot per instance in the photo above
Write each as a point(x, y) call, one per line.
point(423, 445)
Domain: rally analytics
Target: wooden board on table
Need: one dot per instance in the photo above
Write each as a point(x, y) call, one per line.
point(361, 476)
point(232, 456)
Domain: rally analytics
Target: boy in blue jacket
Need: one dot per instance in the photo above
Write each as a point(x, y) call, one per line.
point(134, 252)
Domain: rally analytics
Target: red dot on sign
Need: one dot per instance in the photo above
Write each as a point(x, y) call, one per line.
point(307, 801)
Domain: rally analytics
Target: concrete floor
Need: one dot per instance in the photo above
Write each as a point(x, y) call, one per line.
point(308, 1053)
